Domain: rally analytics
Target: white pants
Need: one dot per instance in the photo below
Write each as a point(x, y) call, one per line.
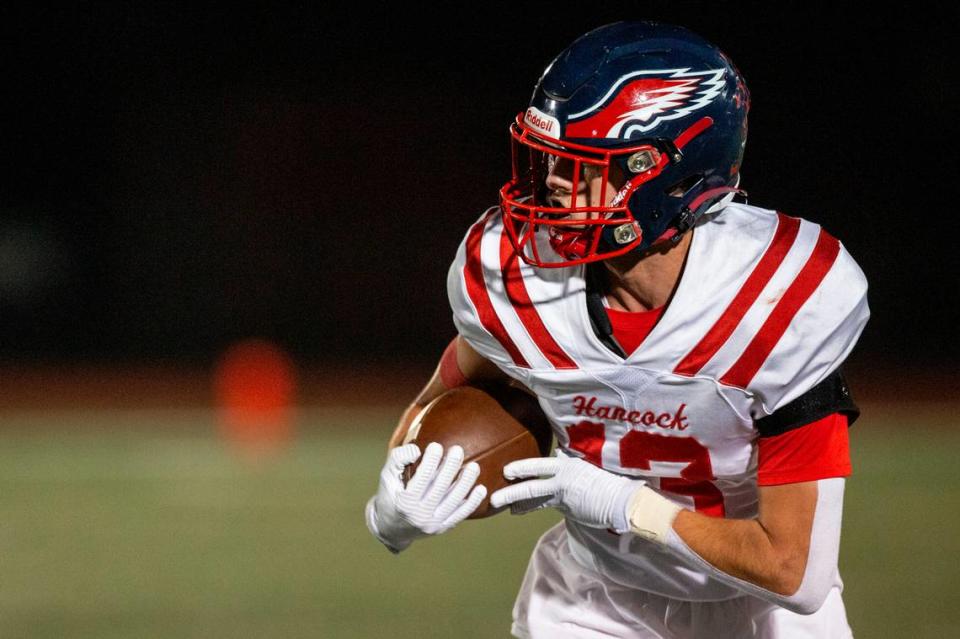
point(560, 599)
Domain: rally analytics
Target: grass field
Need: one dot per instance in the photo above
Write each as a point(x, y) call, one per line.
point(144, 524)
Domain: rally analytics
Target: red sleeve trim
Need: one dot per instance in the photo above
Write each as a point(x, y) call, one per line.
point(818, 450)
point(450, 374)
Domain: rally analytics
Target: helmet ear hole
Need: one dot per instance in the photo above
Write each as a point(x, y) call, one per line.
point(684, 186)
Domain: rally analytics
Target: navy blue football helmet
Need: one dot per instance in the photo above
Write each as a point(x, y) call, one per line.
point(644, 126)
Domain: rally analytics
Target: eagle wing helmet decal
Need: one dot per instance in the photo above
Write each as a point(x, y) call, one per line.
point(638, 102)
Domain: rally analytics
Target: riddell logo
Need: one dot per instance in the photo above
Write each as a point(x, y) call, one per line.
point(587, 407)
point(546, 124)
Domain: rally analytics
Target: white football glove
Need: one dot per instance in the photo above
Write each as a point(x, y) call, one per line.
point(428, 505)
point(587, 494)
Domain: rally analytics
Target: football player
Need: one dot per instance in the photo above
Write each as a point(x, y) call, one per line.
point(685, 347)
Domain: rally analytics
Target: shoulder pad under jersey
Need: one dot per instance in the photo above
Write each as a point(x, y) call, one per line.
point(795, 305)
point(514, 314)
point(473, 287)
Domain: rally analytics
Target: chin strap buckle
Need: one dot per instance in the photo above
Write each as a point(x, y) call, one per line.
point(692, 212)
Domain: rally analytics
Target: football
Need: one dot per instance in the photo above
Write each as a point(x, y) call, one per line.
point(495, 426)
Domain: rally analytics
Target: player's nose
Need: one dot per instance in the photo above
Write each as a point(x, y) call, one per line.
point(555, 182)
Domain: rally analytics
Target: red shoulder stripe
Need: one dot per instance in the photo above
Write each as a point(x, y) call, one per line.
point(783, 238)
point(819, 263)
point(518, 296)
point(477, 290)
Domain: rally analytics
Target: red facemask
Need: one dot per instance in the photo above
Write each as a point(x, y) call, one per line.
point(574, 231)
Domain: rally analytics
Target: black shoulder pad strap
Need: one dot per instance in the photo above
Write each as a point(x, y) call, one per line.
point(829, 396)
point(599, 320)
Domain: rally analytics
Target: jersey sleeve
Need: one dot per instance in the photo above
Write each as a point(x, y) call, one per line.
point(469, 283)
point(815, 325)
point(819, 450)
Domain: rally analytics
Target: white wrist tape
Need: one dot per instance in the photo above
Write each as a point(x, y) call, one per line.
point(651, 515)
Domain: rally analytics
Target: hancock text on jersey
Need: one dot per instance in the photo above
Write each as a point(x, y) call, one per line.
point(587, 407)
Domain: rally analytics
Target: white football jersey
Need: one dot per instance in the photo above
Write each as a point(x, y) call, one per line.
point(767, 307)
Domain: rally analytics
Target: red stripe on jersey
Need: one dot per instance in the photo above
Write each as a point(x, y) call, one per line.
point(518, 296)
point(819, 263)
point(477, 290)
point(783, 238)
point(819, 450)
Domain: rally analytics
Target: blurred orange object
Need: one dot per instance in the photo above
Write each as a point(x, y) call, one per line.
point(255, 385)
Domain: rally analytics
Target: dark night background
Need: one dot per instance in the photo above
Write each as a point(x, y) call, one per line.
point(175, 178)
